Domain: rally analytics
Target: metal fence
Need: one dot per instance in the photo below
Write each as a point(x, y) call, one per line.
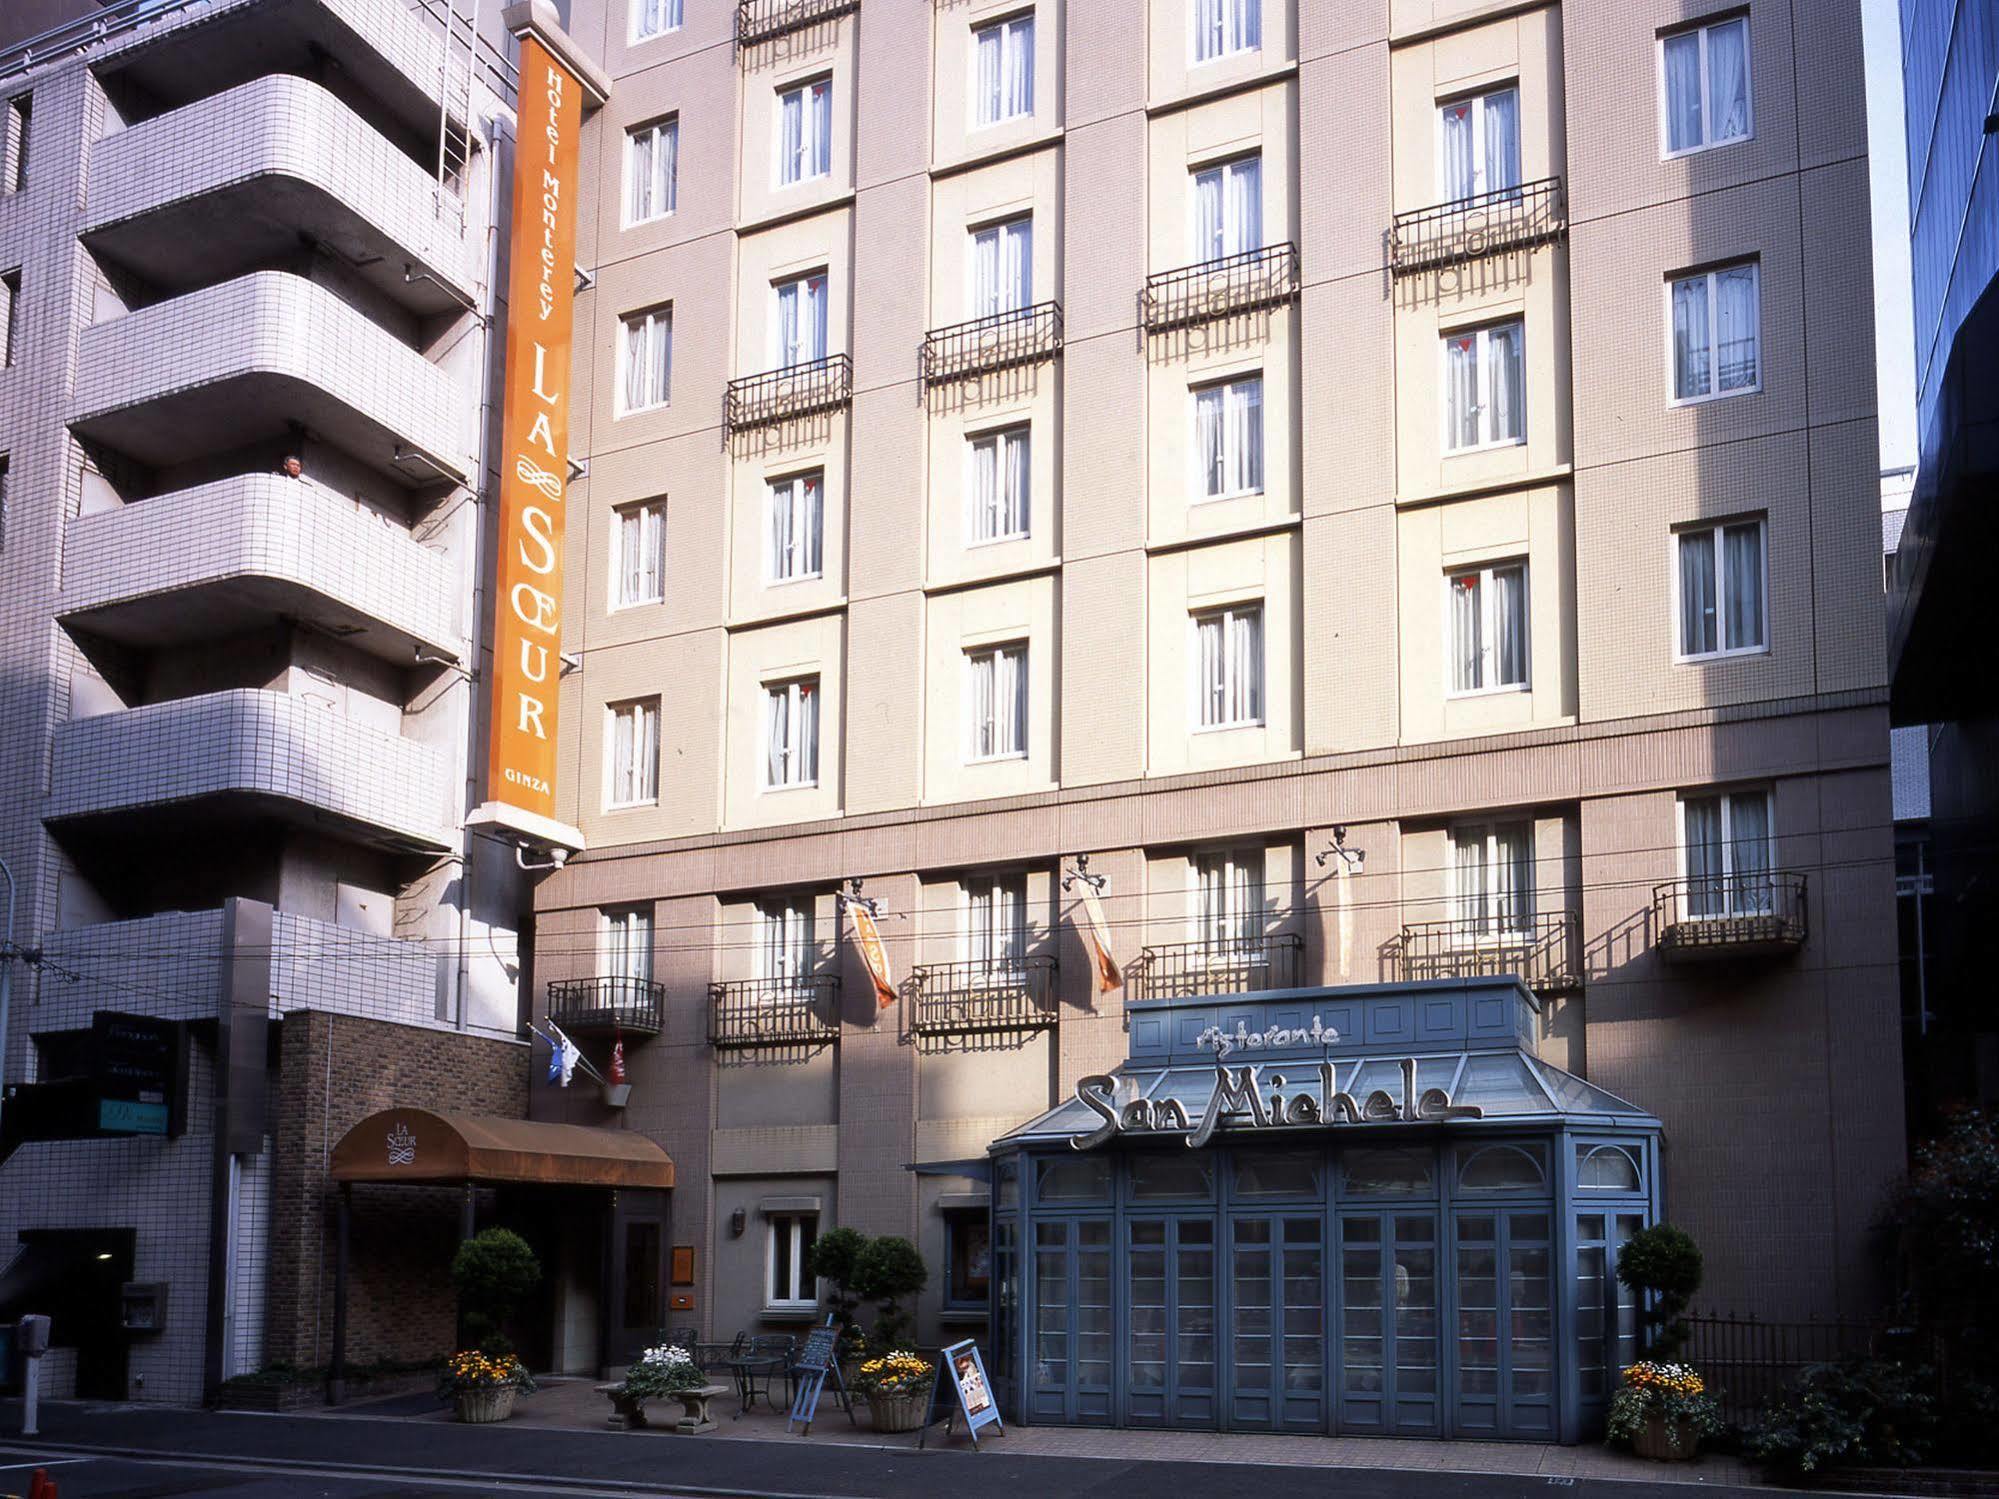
point(612, 1003)
point(774, 1012)
point(764, 20)
point(988, 345)
point(1001, 994)
point(1746, 1360)
point(1244, 282)
point(1540, 951)
point(1242, 965)
point(1509, 218)
point(1735, 915)
point(778, 395)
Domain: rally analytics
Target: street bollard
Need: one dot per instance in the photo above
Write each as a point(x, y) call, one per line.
point(32, 1338)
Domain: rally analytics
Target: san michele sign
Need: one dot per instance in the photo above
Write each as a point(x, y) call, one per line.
point(1262, 1097)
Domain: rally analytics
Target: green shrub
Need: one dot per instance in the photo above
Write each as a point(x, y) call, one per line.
point(888, 1270)
point(491, 1272)
point(1663, 1264)
point(1857, 1411)
point(832, 1258)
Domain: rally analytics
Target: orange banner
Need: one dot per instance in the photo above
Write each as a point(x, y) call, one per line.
point(534, 435)
point(1097, 932)
point(868, 938)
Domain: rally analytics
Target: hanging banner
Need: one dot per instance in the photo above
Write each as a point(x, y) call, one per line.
point(1097, 934)
point(868, 939)
point(534, 452)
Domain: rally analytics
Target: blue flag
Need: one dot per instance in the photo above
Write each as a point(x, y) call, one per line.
point(554, 1062)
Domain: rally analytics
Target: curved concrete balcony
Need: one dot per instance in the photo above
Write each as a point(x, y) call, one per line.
point(226, 557)
point(249, 359)
point(235, 181)
point(251, 753)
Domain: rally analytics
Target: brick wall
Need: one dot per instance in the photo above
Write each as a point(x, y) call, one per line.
point(335, 1070)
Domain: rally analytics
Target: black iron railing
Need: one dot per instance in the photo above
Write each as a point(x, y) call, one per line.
point(1214, 289)
point(780, 395)
point(774, 1012)
point(1730, 916)
point(1745, 1360)
point(1233, 966)
point(962, 999)
point(1509, 218)
point(1540, 951)
point(763, 20)
point(631, 1006)
point(986, 345)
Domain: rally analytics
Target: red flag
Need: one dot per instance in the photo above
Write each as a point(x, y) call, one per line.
point(1097, 932)
point(617, 1058)
point(868, 938)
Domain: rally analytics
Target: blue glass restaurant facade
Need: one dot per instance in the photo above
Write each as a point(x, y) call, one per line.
point(1366, 1210)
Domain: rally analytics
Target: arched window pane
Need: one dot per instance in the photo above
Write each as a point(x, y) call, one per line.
point(1387, 1173)
point(1501, 1168)
point(1606, 1168)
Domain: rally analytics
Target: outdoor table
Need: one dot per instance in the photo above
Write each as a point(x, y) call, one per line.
point(748, 1371)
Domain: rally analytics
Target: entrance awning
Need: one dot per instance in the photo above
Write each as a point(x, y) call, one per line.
point(417, 1145)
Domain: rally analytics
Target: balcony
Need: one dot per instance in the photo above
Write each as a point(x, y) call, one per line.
point(1179, 970)
point(1716, 917)
point(979, 998)
point(614, 1005)
point(774, 1012)
point(255, 358)
point(782, 395)
point(1447, 234)
point(766, 20)
point(990, 345)
point(192, 761)
point(1542, 954)
point(220, 186)
point(1215, 289)
point(223, 558)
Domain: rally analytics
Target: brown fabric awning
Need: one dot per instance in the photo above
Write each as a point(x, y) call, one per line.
point(416, 1145)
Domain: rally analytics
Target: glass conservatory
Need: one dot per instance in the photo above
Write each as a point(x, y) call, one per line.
point(1358, 1210)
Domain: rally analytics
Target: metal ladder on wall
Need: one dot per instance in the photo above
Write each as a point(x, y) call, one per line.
point(458, 60)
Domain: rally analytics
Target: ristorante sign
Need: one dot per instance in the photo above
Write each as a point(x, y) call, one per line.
point(534, 457)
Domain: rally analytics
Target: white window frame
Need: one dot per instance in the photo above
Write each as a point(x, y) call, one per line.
point(1481, 168)
point(1222, 170)
point(1252, 9)
point(793, 485)
point(1702, 29)
point(999, 229)
point(816, 134)
point(976, 728)
point(1714, 391)
point(1250, 944)
point(1198, 491)
point(803, 1291)
point(648, 707)
point(801, 287)
point(785, 930)
point(619, 517)
point(1489, 930)
point(1727, 797)
point(673, 16)
point(993, 888)
point(1488, 609)
point(796, 691)
point(624, 942)
point(1001, 439)
point(1483, 334)
point(1718, 530)
point(974, 95)
point(659, 325)
point(1197, 687)
point(669, 189)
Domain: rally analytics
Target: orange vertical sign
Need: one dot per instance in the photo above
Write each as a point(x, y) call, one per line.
point(534, 436)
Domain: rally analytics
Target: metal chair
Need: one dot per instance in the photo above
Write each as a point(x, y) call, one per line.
point(770, 1354)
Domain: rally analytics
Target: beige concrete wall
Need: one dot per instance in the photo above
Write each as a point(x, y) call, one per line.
point(955, 134)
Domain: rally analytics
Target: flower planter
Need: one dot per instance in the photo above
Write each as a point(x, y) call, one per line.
point(896, 1412)
point(1665, 1442)
point(479, 1407)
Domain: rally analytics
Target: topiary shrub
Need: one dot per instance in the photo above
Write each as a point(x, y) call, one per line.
point(1663, 1264)
point(491, 1272)
point(886, 1272)
point(833, 1258)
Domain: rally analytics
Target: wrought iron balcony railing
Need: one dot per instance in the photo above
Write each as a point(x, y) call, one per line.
point(962, 999)
point(764, 20)
point(1541, 951)
point(1509, 218)
point(1244, 282)
point(987, 345)
point(1730, 916)
point(775, 1012)
point(1224, 966)
point(600, 1006)
point(780, 395)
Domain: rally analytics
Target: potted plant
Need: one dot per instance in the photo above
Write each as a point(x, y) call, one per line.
point(483, 1386)
point(898, 1387)
point(832, 1259)
point(491, 1272)
point(888, 1270)
point(1663, 1265)
point(1663, 1411)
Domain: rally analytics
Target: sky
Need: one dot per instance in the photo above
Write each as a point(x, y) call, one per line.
point(1894, 336)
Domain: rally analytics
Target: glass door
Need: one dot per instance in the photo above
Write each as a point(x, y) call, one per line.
point(1071, 1377)
point(1170, 1368)
point(1277, 1322)
point(1388, 1328)
point(1506, 1325)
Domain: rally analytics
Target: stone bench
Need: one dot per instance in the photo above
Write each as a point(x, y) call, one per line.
point(628, 1412)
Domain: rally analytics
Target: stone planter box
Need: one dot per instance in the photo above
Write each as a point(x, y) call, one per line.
point(482, 1407)
point(897, 1412)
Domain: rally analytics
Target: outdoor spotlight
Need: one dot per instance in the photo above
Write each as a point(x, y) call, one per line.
point(738, 1221)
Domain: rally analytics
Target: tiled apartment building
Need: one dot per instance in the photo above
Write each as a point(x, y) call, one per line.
point(1391, 486)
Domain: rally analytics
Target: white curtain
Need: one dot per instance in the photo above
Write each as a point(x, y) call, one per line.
point(1749, 854)
point(982, 511)
point(1735, 327)
point(640, 534)
point(1742, 585)
point(1467, 633)
point(1699, 620)
point(635, 365)
point(1703, 846)
point(654, 151)
point(991, 44)
point(995, 922)
point(1461, 379)
point(979, 695)
point(1509, 618)
point(796, 527)
point(1002, 268)
point(1460, 168)
point(784, 945)
point(1683, 91)
point(1513, 877)
point(1501, 161)
point(1016, 475)
point(1208, 406)
point(801, 321)
point(1728, 81)
point(1231, 900)
point(627, 944)
point(635, 753)
point(791, 136)
point(1228, 434)
point(806, 712)
point(1230, 649)
point(1468, 874)
point(1690, 338)
point(1506, 378)
point(1010, 702)
point(1208, 215)
point(1019, 69)
point(821, 128)
point(642, 146)
point(777, 756)
point(1242, 206)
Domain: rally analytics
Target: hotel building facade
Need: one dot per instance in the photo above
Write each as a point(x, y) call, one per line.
point(1385, 492)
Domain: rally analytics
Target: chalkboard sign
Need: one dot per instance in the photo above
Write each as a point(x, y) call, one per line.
point(819, 1345)
point(961, 1367)
point(816, 1362)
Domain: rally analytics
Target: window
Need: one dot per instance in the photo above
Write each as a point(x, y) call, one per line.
point(968, 1261)
point(1480, 141)
point(996, 507)
point(996, 703)
point(798, 332)
point(1002, 267)
point(20, 114)
point(1725, 845)
point(1003, 54)
point(1488, 609)
point(3, 499)
point(646, 357)
point(624, 943)
point(638, 555)
point(652, 18)
point(652, 154)
point(791, 730)
point(1492, 879)
point(1607, 1168)
point(1714, 332)
point(790, 1237)
point(1502, 1168)
point(1228, 438)
point(10, 306)
point(631, 770)
point(1228, 665)
point(805, 132)
point(784, 939)
point(1223, 28)
point(1484, 383)
point(996, 921)
point(1704, 86)
point(1228, 208)
point(1722, 587)
point(797, 528)
point(1228, 901)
